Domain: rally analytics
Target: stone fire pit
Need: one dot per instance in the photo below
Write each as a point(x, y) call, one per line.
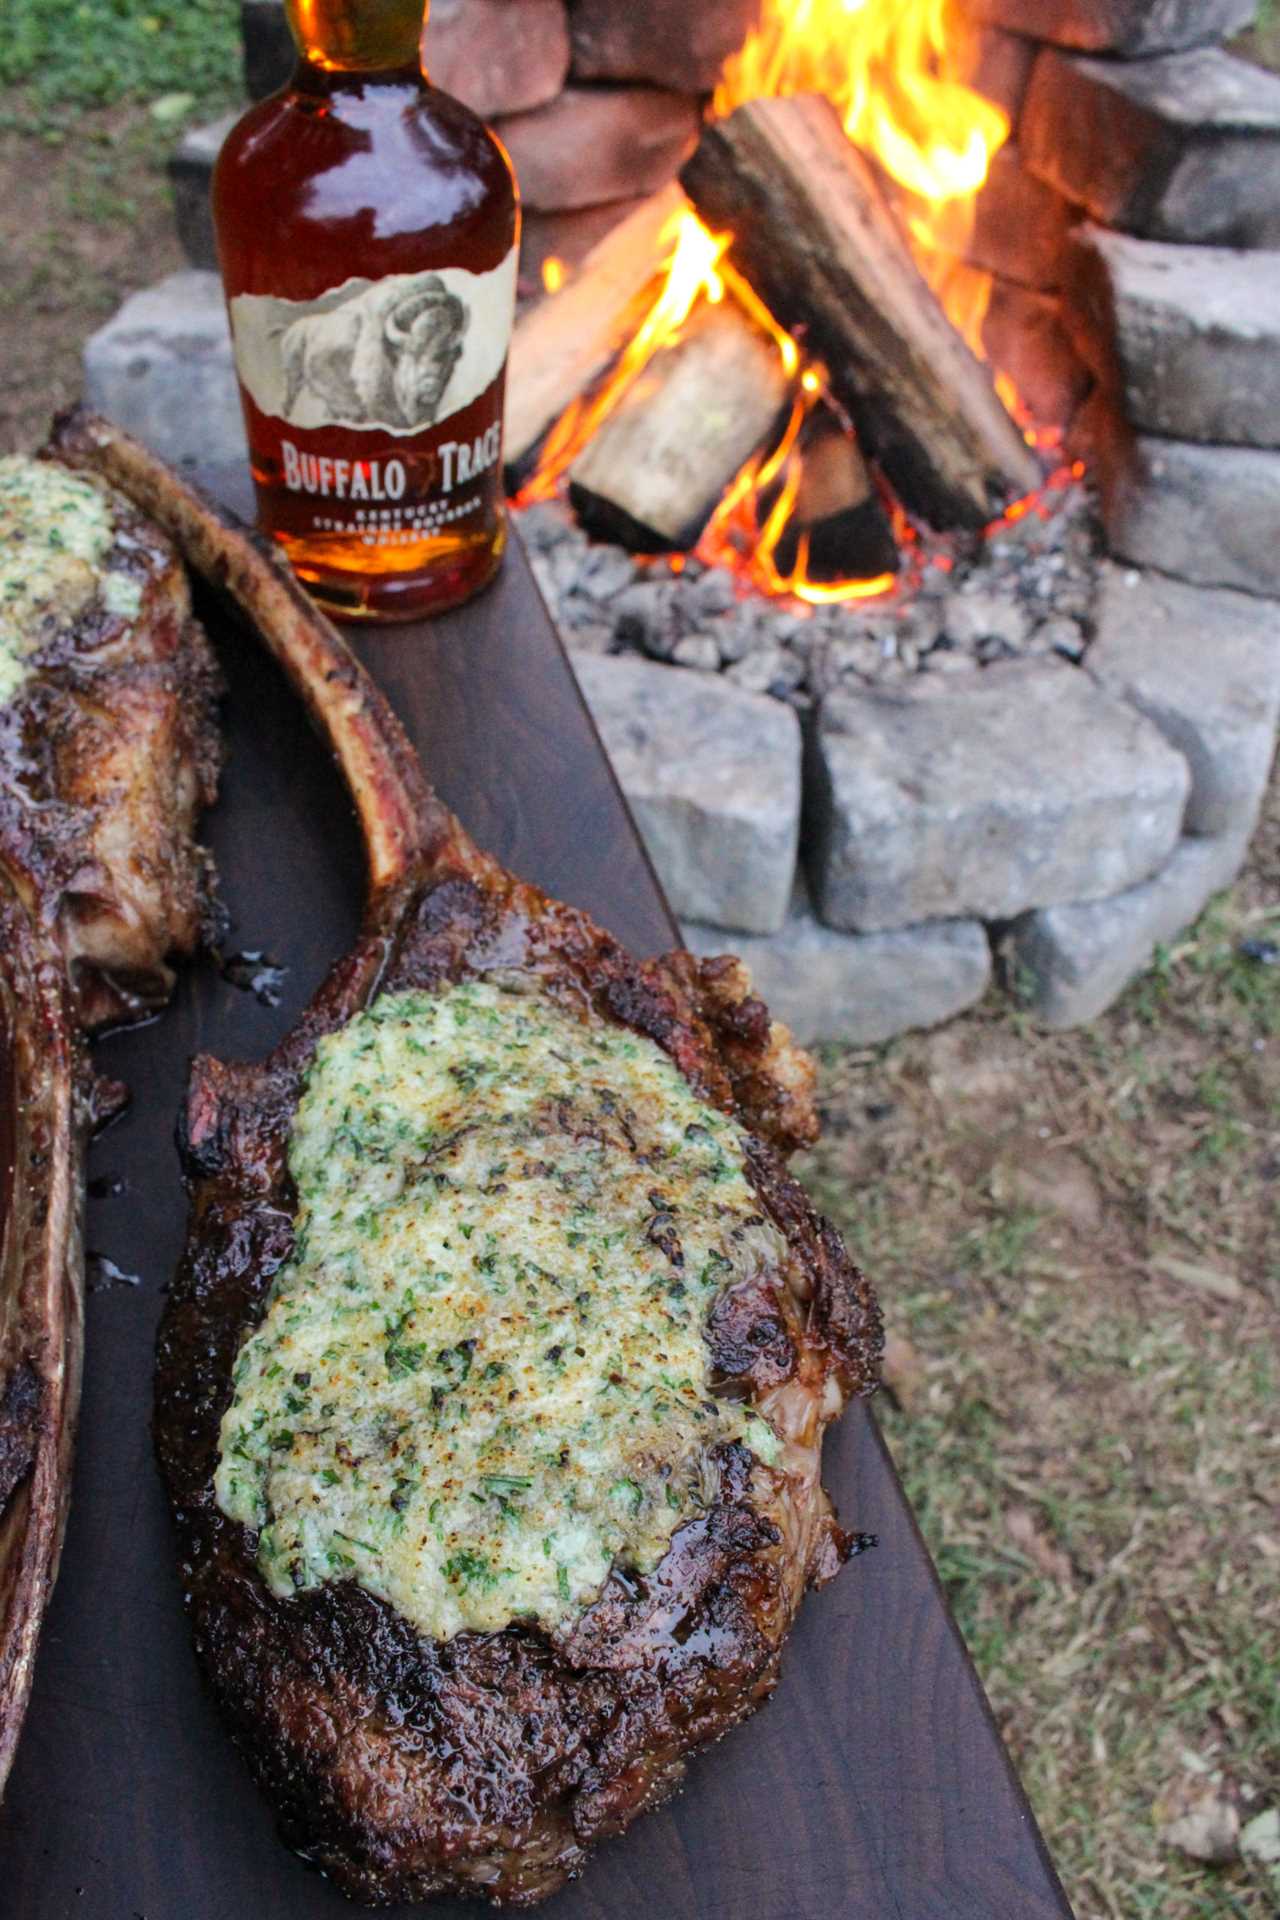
point(869, 818)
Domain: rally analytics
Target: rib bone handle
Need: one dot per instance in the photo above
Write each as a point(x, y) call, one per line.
point(400, 818)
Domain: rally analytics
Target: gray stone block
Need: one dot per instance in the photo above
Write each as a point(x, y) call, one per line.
point(984, 796)
point(162, 368)
point(1210, 515)
point(712, 776)
point(1195, 333)
point(1204, 665)
point(860, 988)
point(1121, 26)
point(190, 169)
point(1075, 961)
point(1182, 147)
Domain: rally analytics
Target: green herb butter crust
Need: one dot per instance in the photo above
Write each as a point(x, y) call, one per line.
point(56, 537)
point(483, 1380)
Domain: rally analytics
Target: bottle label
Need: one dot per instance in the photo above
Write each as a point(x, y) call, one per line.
point(400, 355)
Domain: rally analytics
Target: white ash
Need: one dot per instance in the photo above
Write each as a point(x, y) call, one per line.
point(1026, 589)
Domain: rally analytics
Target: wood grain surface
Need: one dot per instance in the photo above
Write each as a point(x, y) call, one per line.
point(873, 1785)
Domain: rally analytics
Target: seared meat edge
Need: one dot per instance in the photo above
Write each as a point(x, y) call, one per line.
point(108, 750)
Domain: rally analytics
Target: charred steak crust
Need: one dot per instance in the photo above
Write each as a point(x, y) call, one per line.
point(491, 1764)
point(108, 749)
point(108, 754)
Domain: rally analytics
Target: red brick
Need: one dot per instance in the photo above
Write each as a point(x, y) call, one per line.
point(1020, 226)
point(997, 65)
point(596, 144)
point(566, 236)
point(682, 43)
point(1024, 337)
point(499, 56)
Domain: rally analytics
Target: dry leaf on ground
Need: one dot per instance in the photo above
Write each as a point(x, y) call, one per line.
point(1049, 1181)
point(1210, 1280)
point(1260, 1839)
point(902, 1372)
point(1200, 1818)
point(1027, 1535)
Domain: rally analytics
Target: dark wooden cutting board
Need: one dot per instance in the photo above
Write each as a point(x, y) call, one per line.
point(874, 1784)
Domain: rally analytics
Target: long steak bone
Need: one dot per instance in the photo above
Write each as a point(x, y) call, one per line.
point(489, 1763)
point(108, 749)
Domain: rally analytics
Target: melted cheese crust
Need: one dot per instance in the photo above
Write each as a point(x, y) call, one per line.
point(56, 533)
point(483, 1379)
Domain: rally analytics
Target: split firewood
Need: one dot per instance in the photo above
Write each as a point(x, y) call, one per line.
point(836, 509)
point(563, 345)
point(816, 239)
point(653, 475)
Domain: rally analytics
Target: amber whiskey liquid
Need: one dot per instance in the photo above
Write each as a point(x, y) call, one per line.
point(368, 235)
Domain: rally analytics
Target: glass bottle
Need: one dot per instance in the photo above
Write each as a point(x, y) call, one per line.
point(368, 232)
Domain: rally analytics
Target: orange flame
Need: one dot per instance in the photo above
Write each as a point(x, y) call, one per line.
point(693, 257)
point(884, 64)
point(736, 540)
point(891, 68)
point(554, 274)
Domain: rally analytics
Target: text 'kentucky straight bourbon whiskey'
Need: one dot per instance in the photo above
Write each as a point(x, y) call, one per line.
point(368, 235)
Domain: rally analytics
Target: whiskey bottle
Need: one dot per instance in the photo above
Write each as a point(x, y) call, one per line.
point(368, 233)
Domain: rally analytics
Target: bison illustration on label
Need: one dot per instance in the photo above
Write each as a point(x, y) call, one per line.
point(381, 357)
point(397, 355)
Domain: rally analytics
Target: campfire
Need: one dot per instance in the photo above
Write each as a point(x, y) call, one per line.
point(777, 366)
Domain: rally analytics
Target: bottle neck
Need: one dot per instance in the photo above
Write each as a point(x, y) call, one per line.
point(359, 36)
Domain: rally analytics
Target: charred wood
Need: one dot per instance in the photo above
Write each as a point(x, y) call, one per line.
point(837, 516)
point(653, 475)
point(563, 345)
point(816, 239)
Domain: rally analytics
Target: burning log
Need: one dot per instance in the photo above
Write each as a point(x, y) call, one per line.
point(836, 515)
point(814, 236)
point(655, 472)
point(563, 345)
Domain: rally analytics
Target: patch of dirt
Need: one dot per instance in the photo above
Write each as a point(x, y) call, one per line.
point(84, 221)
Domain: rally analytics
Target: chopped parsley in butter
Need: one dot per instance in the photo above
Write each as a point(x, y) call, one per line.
point(483, 1379)
point(56, 532)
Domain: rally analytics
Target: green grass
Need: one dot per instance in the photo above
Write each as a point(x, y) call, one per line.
point(94, 53)
point(1262, 41)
